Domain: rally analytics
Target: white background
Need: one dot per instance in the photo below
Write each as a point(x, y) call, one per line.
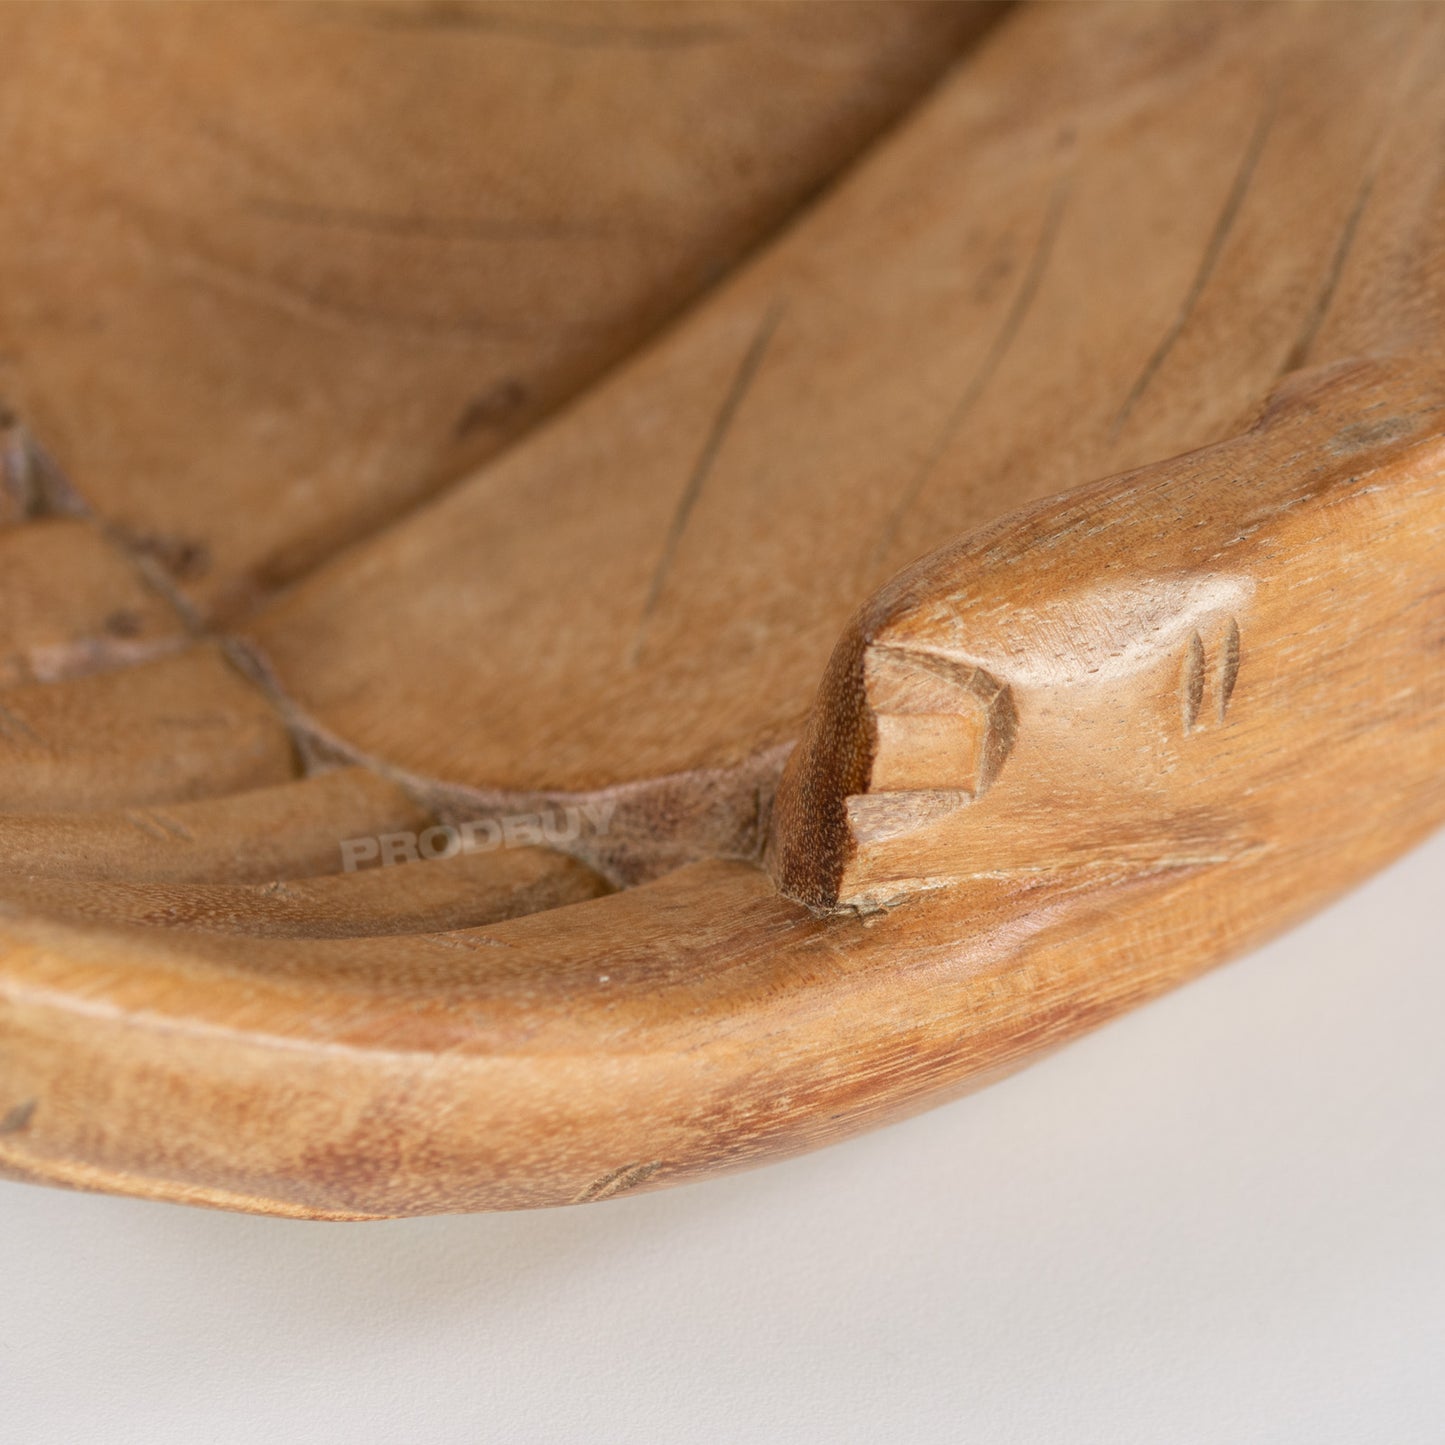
point(1220, 1219)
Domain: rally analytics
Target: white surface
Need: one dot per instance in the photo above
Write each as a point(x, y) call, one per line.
point(1219, 1219)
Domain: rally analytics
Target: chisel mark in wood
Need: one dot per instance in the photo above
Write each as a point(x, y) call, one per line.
point(175, 829)
point(618, 1181)
point(1228, 668)
point(146, 826)
point(1193, 682)
point(1223, 225)
point(707, 458)
point(1012, 324)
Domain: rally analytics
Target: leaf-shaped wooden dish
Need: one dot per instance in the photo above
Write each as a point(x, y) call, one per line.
point(1013, 588)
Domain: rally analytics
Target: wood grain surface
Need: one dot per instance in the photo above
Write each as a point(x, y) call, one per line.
point(274, 273)
point(1010, 590)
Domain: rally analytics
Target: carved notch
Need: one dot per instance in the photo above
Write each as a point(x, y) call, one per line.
point(941, 732)
point(897, 739)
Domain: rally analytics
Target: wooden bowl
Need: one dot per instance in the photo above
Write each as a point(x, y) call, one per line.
point(562, 629)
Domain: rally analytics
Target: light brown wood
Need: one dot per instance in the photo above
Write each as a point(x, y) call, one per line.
point(185, 726)
point(71, 603)
point(458, 892)
point(912, 360)
point(1220, 655)
point(288, 830)
point(275, 273)
point(1013, 591)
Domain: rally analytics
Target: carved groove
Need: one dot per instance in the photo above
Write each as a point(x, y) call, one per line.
point(1193, 682)
point(1229, 668)
point(618, 1181)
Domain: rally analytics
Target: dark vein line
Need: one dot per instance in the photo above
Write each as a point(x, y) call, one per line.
point(339, 313)
point(12, 724)
point(1403, 93)
point(1007, 333)
point(408, 226)
point(453, 479)
point(722, 424)
point(1299, 352)
point(588, 36)
point(1233, 202)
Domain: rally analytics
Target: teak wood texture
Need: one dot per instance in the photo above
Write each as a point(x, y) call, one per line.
point(596, 594)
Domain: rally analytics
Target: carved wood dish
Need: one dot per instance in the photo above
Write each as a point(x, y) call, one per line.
point(593, 595)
